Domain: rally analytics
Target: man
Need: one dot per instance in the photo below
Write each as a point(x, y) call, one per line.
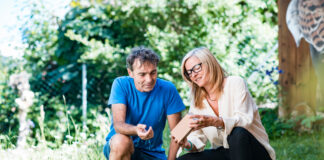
point(140, 104)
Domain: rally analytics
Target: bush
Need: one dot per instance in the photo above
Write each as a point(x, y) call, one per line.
point(277, 127)
point(9, 126)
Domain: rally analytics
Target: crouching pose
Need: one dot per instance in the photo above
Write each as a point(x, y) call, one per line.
point(224, 113)
point(140, 105)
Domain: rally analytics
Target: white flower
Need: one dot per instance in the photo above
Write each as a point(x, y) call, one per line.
point(83, 135)
point(31, 123)
point(69, 137)
point(59, 113)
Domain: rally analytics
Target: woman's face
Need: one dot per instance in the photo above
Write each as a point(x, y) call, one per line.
point(196, 71)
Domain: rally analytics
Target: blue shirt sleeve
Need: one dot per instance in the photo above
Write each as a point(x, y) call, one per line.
point(175, 104)
point(117, 93)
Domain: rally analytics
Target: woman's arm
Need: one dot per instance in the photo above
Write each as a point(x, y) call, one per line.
point(202, 121)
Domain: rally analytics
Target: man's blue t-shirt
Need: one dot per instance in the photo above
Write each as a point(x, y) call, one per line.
point(150, 108)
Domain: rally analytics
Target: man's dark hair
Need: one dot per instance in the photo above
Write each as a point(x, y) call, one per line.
point(143, 55)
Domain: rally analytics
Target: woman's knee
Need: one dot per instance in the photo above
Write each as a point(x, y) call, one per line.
point(238, 136)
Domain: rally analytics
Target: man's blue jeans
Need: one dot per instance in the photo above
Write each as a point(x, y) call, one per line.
point(137, 155)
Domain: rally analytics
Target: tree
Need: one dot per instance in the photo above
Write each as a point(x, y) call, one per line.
point(101, 34)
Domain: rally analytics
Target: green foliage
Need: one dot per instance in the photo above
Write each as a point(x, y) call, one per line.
point(55, 120)
point(60, 70)
point(276, 127)
point(241, 34)
point(62, 123)
point(8, 108)
point(309, 121)
point(7, 141)
point(89, 148)
point(40, 36)
point(100, 34)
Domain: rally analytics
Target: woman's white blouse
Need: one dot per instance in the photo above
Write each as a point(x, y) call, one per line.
point(237, 108)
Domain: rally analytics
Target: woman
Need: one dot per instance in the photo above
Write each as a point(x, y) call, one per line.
point(224, 113)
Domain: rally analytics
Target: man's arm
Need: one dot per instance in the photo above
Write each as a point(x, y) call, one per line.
point(173, 120)
point(119, 115)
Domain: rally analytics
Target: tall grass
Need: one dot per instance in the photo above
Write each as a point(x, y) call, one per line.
point(77, 146)
point(84, 145)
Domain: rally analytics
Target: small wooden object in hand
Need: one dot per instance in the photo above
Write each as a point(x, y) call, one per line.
point(182, 129)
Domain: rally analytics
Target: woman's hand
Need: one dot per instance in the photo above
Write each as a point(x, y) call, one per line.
point(187, 145)
point(202, 121)
point(183, 143)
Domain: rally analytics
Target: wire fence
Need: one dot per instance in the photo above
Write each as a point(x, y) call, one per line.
point(67, 81)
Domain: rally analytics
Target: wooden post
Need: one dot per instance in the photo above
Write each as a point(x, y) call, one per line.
point(298, 80)
point(84, 96)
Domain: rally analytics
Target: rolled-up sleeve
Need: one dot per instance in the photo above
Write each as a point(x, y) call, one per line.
point(243, 109)
point(198, 139)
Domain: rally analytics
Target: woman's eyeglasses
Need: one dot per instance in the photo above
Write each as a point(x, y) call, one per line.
point(196, 68)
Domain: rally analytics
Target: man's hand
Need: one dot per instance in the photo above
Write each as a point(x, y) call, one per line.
point(143, 133)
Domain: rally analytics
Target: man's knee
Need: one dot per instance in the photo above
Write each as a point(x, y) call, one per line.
point(121, 144)
point(238, 136)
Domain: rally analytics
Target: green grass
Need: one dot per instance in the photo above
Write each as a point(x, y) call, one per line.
point(300, 147)
point(308, 146)
point(65, 152)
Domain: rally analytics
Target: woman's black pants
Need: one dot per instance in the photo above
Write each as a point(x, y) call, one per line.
point(242, 146)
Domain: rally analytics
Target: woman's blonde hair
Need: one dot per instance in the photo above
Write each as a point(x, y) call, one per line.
point(215, 71)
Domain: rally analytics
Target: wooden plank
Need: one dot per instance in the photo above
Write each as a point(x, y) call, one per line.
point(296, 82)
point(301, 73)
point(284, 57)
point(309, 76)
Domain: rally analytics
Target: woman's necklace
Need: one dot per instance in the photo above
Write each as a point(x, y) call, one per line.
point(213, 104)
point(211, 99)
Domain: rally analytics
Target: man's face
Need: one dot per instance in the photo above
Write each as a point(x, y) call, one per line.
point(144, 75)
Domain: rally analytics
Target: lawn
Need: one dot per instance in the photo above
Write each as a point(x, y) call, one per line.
point(300, 147)
point(306, 146)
